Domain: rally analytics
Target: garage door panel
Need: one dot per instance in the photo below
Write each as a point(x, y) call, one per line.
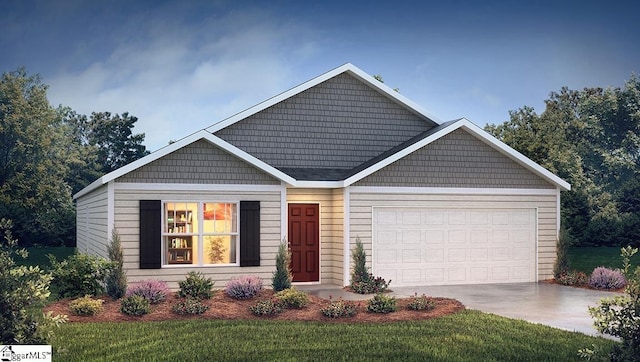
point(454, 246)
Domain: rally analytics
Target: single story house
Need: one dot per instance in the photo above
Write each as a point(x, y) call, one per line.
point(338, 158)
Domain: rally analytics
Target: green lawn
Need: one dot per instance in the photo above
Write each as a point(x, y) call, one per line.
point(586, 259)
point(38, 255)
point(465, 336)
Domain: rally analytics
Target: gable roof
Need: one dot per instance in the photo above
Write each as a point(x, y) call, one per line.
point(338, 177)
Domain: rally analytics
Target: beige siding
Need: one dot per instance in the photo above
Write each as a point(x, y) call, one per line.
point(91, 222)
point(361, 204)
point(199, 163)
point(127, 221)
point(458, 159)
point(331, 229)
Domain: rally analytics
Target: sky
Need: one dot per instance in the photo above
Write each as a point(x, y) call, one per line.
point(182, 66)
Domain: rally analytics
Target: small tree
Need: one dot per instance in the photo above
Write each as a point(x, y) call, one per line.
point(562, 264)
point(362, 281)
point(620, 316)
point(21, 289)
point(282, 277)
point(116, 279)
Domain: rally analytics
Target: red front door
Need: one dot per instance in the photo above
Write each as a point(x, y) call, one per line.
point(304, 242)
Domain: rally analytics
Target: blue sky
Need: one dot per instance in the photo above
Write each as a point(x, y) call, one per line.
point(181, 66)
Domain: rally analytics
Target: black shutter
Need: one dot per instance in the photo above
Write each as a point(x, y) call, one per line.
point(150, 234)
point(249, 233)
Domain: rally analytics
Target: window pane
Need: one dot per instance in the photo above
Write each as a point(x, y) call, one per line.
point(181, 218)
point(219, 218)
point(220, 249)
point(181, 250)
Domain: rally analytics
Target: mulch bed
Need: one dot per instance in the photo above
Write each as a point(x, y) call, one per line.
point(223, 307)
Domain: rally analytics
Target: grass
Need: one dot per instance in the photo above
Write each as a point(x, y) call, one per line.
point(586, 259)
point(38, 255)
point(465, 336)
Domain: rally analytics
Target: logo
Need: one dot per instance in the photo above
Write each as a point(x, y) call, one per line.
point(16, 352)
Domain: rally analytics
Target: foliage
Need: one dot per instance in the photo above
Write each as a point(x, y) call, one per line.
point(86, 306)
point(34, 161)
point(22, 290)
point(562, 263)
point(282, 277)
point(196, 285)
point(216, 250)
point(466, 336)
point(135, 305)
point(620, 316)
point(189, 306)
point(116, 278)
point(271, 306)
point(573, 277)
point(243, 287)
point(381, 303)
point(362, 281)
point(155, 291)
point(292, 298)
point(421, 303)
point(339, 308)
point(591, 138)
point(605, 278)
point(79, 275)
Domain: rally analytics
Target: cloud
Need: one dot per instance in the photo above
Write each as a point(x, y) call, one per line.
point(184, 76)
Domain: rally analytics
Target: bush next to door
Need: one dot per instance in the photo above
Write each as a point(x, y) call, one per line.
point(282, 277)
point(362, 281)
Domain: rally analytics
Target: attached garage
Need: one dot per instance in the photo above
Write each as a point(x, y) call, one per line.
point(432, 246)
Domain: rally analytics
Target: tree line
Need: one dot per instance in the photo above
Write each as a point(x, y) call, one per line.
point(591, 139)
point(49, 153)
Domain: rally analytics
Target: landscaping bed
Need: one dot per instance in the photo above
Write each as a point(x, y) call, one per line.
point(223, 307)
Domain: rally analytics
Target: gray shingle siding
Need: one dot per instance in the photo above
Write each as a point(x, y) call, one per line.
point(456, 160)
point(199, 163)
point(337, 124)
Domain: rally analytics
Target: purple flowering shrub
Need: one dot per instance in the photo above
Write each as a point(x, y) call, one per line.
point(155, 291)
point(244, 287)
point(605, 278)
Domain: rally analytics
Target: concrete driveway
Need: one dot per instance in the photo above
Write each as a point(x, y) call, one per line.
point(549, 304)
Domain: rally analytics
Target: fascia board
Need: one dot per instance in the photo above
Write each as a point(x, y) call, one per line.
point(351, 69)
point(475, 130)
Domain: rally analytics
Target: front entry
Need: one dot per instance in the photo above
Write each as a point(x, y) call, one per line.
point(304, 242)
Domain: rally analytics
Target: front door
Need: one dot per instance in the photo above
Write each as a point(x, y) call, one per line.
point(304, 242)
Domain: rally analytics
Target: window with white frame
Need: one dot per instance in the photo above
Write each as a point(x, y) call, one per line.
point(200, 233)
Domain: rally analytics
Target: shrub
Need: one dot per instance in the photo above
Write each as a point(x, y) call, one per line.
point(605, 278)
point(292, 298)
point(562, 263)
point(79, 275)
point(282, 277)
point(197, 286)
point(362, 281)
point(116, 278)
point(421, 303)
point(86, 306)
point(22, 291)
point(271, 306)
point(619, 316)
point(189, 306)
point(339, 309)
point(155, 291)
point(381, 303)
point(573, 277)
point(135, 305)
point(244, 287)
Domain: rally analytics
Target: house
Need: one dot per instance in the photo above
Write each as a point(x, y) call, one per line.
point(334, 159)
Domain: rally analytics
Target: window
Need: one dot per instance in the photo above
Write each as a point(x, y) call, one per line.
point(200, 233)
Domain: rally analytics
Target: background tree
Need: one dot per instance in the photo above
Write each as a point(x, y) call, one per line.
point(591, 138)
point(33, 162)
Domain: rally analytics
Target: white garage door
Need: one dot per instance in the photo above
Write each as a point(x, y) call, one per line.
point(423, 246)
